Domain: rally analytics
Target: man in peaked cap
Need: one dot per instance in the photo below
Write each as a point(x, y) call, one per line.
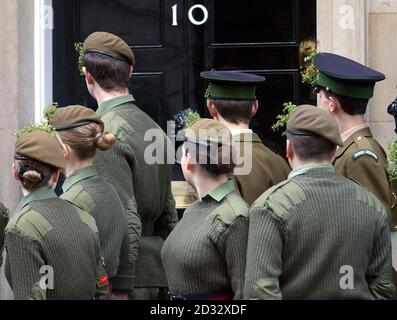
point(345, 88)
point(144, 189)
point(317, 235)
point(232, 101)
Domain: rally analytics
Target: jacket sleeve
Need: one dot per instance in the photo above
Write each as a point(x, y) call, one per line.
point(371, 174)
point(234, 246)
point(102, 284)
point(380, 272)
point(116, 165)
point(168, 220)
point(3, 224)
point(264, 255)
point(23, 263)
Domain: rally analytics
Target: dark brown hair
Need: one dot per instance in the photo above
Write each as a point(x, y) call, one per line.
point(352, 106)
point(110, 74)
point(34, 174)
point(86, 139)
point(224, 158)
point(234, 111)
point(311, 147)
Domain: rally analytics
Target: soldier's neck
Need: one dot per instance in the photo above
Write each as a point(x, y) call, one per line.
point(102, 96)
point(346, 122)
point(230, 125)
point(73, 166)
point(205, 185)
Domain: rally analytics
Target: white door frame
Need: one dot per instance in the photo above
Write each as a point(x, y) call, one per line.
point(43, 26)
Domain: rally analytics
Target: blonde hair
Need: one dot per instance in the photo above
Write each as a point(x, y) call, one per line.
point(86, 139)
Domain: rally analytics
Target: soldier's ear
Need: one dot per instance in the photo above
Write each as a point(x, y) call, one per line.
point(212, 109)
point(14, 172)
point(289, 150)
point(88, 76)
point(54, 179)
point(254, 109)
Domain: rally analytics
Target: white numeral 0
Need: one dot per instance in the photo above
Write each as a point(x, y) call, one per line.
point(191, 18)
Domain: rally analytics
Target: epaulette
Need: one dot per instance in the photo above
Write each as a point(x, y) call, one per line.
point(116, 125)
point(262, 199)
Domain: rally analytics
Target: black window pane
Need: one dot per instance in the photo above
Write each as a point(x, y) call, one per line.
point(248, 22)
point(137, 22)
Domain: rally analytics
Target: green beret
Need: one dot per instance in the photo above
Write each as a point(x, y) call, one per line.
point(72, 117)
point(109, 45)
point(207, 131)
point(307, 120)
point(40, 146)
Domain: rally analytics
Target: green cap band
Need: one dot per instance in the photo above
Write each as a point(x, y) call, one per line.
point(231, 92)
point(344, 88)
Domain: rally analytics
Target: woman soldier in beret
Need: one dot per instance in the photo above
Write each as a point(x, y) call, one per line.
point(53, 249)
point(204, 256)
point(81, 133)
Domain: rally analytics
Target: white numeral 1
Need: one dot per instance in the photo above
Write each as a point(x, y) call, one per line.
point(174, 15)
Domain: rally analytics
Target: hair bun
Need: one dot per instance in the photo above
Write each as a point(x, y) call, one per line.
point(105, 141)
point(31, 178)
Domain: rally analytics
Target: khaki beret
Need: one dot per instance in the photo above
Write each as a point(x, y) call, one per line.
point(109, 45)
point(40, 146)
point(72, 117)
point(205, 131)
point(307, 120)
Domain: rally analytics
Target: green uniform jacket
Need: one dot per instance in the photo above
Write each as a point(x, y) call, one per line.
point(321, 236)
point(268, 168)
point(3, 223)
point(93, 194)
point(363, 160)
point(144, 188)
point(206, 251)
point(50, 239)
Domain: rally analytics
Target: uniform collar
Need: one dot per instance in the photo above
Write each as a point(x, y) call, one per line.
point(365, 132)
point(79, 175)
point(236, 132)
point(246, 137)
point(115, 102)
point(41, 194)
point(222, 191)
point(345, 135)
point(309, 168)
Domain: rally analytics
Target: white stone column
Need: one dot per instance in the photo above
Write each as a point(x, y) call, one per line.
point(16, 92)
point(382, 55)
point(341, 27)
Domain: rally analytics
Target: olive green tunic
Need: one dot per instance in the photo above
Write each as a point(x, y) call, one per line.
point(363, 160)
point(306, 232)
point(3, 223)
point(144, 188)
point(49, 232)
point(93, 194)
point(206, 251)
point(268, 168)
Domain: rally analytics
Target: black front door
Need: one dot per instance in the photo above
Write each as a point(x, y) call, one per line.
point(174, 40)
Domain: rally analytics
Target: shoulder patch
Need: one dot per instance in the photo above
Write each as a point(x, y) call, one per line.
point(116, 125)
point(262, 199)
point(232, 207)
point(80, 198)
point(30, 224)
point(88, 220)
point(365, 153)
point(281, 198)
